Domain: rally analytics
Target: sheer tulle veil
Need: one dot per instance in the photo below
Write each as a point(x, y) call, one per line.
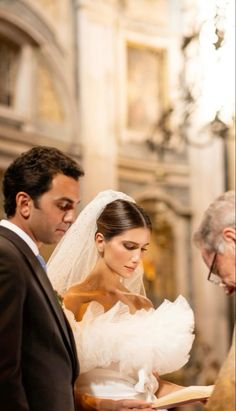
point(76, 254)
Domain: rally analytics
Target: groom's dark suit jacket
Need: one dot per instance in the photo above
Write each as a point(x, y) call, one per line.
point(38, 361)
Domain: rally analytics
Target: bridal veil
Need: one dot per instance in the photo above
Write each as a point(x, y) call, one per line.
point(76, 254)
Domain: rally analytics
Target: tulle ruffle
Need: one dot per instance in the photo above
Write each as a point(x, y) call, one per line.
point(154, 340)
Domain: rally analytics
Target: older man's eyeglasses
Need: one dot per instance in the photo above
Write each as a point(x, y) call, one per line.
point(213, 275)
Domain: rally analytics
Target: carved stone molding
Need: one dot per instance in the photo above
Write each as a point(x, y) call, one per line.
point(15, 141)
point(22, 23)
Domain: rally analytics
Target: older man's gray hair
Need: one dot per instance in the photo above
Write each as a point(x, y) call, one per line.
point(219, 215)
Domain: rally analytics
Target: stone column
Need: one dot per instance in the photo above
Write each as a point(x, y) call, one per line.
point(96, 62)
point(24, 97)
point(210, 302)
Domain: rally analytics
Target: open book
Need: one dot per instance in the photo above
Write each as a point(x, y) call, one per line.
point(184, 396)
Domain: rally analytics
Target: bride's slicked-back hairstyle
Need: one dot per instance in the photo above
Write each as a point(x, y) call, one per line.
point(121, 215)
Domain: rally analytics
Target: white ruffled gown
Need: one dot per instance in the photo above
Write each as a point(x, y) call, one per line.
point(118, 351)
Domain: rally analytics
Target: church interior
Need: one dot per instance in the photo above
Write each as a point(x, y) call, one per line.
point(141, 93)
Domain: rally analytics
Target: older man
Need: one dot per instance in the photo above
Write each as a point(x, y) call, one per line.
point(216, 238)
point(38, 359)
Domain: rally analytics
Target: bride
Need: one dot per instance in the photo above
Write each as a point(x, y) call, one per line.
point(123, 343)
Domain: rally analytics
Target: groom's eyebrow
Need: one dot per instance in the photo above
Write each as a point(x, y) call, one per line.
point(69, 200)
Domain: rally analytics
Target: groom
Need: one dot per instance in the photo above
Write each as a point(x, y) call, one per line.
point(38, 360)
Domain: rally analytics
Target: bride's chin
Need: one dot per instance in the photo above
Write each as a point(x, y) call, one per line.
point(127, 274)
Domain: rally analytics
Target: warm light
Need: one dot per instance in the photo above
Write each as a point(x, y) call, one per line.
point(217, 62)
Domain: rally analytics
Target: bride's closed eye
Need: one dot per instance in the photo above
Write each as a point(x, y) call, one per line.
point(133, 246)
point(130, 246)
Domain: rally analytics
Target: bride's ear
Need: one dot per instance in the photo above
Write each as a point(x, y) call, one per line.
point(99, 240)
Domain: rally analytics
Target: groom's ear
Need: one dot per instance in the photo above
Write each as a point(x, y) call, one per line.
point(24, 204)
point(99, 239)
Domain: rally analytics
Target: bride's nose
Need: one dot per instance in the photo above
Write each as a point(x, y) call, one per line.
point(136, 256)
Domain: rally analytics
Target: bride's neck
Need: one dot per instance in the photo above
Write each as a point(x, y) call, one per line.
point(106, 278)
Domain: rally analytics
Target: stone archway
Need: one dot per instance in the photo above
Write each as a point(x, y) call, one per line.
point(168, 272)
point(44, 107)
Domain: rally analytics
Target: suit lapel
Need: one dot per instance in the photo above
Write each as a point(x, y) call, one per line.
point(42, 279)
point(46, 287)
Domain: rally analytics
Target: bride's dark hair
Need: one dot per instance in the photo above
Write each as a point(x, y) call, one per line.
point(121, 215)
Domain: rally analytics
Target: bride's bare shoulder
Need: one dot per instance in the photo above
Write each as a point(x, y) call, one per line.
point(78, 297)
point(75, 289)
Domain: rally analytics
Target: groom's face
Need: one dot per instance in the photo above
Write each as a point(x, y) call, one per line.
point(54, 212)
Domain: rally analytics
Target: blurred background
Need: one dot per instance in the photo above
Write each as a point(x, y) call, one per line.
point(141, 92)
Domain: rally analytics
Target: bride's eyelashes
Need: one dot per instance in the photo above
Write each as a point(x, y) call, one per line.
point(133, 246)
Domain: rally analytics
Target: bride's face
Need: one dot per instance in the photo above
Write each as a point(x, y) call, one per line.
point(123, 253)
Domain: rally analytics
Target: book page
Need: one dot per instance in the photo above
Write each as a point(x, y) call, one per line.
point(183, 396)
